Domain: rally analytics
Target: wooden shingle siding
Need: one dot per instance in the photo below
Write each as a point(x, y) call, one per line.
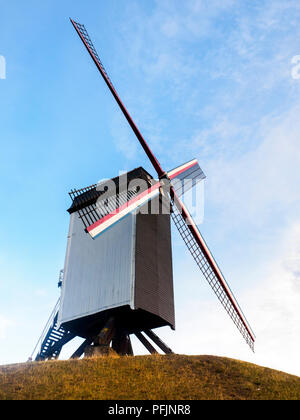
point(153, 267)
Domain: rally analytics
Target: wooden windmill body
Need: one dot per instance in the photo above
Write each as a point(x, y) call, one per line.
point(125, 274)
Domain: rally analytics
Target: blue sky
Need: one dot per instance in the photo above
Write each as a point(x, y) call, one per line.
point(205, 79)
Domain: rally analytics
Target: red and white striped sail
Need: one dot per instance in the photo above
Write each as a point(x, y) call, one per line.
point(183, 221)
point(186, 176)
point(120, 212)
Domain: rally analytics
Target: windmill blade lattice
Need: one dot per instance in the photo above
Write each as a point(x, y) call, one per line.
point(82, 32)
point(209, 274)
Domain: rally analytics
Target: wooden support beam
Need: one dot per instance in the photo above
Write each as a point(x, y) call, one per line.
point(126, 347)
point(129, 348)
point(106, 334)
point(117, 341)
point(158, 342)
point(101, 343)
point(121, 343)
point(81, 349)
point(146, 343)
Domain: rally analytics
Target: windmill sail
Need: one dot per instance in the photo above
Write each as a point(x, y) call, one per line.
point(209, 268)
point(84, 36)
point(120, 212)
point(186, 176)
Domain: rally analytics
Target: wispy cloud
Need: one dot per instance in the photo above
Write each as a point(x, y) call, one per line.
point(5, 323)
point(272, 305)
point(215, 67)
point(2, 67)
point(263, 182)
point(122, 135)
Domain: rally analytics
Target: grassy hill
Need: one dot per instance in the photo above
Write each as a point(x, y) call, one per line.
point(145, 378)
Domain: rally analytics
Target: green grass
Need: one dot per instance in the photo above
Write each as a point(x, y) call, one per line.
point(155, 377)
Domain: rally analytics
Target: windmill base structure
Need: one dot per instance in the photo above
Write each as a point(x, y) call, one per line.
point(118, 276)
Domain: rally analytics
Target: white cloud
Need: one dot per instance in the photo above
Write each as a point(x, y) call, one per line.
point(5, 323)
point(123, 139)
point(272, 307)
point(2, 67)
point(41, 292)
point(275, 309)
point(254, 185)
point(170, 28)
point(241, 55)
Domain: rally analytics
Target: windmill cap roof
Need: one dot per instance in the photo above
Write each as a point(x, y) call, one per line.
point(89, 195)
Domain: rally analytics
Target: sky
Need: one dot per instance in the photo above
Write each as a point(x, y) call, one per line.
point(214, 80)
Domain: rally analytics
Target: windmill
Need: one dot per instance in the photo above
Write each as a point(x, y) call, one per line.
point(118, 278)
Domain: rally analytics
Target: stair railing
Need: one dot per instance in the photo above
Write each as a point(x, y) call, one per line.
point(46, 329)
